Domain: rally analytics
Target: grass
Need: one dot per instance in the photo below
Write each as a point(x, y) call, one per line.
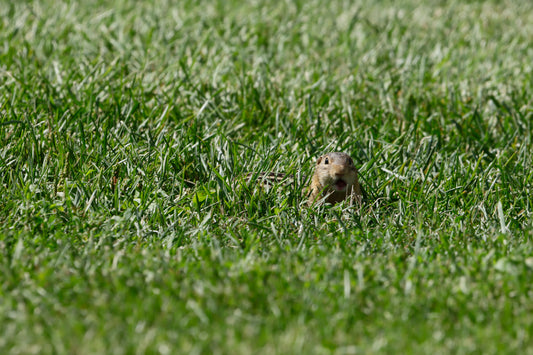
point(126, 129)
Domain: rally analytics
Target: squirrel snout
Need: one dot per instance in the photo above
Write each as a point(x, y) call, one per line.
point(339, 171)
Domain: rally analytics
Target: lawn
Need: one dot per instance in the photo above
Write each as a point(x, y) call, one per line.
point(127, 129)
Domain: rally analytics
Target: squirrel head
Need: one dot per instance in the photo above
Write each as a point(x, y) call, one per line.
point(336, 171)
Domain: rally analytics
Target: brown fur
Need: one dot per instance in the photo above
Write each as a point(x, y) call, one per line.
point(330, 168)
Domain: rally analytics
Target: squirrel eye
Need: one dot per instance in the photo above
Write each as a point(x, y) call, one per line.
point(326, 161)
point(350, 161)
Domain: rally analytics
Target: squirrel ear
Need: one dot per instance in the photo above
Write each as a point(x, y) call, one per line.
point(318, 160)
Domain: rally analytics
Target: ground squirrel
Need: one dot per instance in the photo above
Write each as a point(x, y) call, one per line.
point(334, 180)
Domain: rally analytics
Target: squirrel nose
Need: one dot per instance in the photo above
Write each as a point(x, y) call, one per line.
point(339, 171)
